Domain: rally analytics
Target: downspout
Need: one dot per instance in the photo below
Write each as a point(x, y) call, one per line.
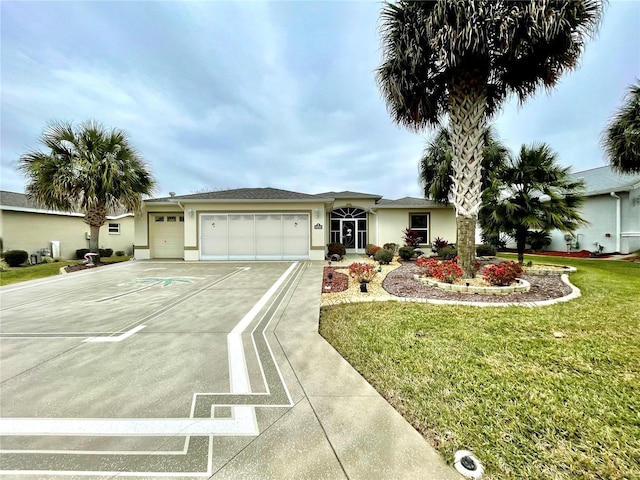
point(618, 220)
point(377, 230)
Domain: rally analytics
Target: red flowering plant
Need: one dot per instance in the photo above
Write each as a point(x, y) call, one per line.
point(503, 274)
point(444, 271)
point(411, 238)
point(362, 272)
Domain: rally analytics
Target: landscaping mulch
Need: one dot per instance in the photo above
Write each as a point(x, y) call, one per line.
point(82, 266)
point(401, 283)
point(338, 282)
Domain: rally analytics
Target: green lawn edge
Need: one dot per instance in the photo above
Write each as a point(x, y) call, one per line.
point(44, 270)
point(536, 393)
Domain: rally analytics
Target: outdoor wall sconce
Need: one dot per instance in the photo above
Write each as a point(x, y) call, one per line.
point(317, 212)
point(191, 212)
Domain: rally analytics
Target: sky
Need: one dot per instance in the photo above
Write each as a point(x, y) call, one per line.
point(227, 94)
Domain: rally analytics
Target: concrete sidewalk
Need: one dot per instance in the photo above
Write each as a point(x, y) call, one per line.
point(367, 437)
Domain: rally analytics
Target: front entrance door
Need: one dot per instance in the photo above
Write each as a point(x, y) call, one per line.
point(349, 235)
point(349, 227)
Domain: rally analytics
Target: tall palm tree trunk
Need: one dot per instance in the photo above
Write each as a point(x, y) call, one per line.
point(467, 108)
point(95, 218)
point(521, 243)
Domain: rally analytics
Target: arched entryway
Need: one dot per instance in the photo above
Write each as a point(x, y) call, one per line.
point(349, 227)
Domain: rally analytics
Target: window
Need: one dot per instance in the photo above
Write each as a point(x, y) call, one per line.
point(171, 219)
point(159, 219)
point(114, 229)
point(419, 223)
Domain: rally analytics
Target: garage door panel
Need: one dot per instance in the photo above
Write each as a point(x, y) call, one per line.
point(295, 230)
point(258, 236)
point(214, 236)
point(268, 237)
point(241, 237)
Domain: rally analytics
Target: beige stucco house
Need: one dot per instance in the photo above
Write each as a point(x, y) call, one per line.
point(25, 226)
point(273, 224)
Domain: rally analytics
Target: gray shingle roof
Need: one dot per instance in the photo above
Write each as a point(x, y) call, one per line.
point(409, 202)
point(21, 202)
point(604, 180)
point(14, 199)
point(243, 194)
point(348, 194)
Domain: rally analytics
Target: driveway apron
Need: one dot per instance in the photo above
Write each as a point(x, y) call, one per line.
point(189, 370)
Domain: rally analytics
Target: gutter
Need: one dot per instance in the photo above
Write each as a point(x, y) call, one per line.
point(618, 220)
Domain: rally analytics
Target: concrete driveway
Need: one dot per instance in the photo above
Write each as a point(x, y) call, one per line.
point(189, 370)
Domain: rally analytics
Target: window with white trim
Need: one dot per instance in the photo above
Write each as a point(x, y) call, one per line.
point(419, 223)
point(114, 229)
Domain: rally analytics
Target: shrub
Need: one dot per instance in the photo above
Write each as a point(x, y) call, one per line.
point(502, 274)
point(105, 252)
point(406, 252)
point(47, 259)
point(336, 248)
point(372, 249)
point(119, 253)
point(411, 238)
point(81, 252)
point(3, 266)
point(448, 253)
point(15, 258)
point(444, 271)
point(438, 243)
point(538, 240)
point(392, 247)
point(383, 256)
point(485, 250)
point(362, 272)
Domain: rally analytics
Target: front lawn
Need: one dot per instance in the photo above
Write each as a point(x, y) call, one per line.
point(42, 270)
point(536, 393)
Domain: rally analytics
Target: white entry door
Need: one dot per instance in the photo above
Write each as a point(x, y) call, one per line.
point(167, 235)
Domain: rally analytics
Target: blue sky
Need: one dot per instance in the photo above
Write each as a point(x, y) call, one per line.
point(219, 95)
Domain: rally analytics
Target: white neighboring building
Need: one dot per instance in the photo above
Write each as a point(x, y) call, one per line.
point(612, 208)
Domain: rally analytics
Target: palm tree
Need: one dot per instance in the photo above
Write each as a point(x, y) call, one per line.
point(436, 171)
point(621, 138)
point(530, 194)
point(92, 170)
point(462, 59)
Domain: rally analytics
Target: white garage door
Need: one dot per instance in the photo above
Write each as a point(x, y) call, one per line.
point(167, 236)
point(254, 236)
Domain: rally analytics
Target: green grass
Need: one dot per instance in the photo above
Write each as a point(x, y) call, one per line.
point(42, 270)
point(498, 382)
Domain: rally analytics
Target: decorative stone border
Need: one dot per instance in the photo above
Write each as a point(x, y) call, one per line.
point(520, 287)
point(575, 293)
point(543, 271)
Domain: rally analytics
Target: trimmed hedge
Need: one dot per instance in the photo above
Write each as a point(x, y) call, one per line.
point(383, 256)
point(406, 252)
point(485, 250)
point(15, 258)
point(448, 253)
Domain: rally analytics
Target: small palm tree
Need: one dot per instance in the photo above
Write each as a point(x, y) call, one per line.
point(436, 171)
point(91, 170)
point(462, 59)
point(532, 193)
point(621, 139)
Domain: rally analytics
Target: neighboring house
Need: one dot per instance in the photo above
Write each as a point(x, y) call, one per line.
point(612, 207)
point(273, 224)
point(25, 226)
